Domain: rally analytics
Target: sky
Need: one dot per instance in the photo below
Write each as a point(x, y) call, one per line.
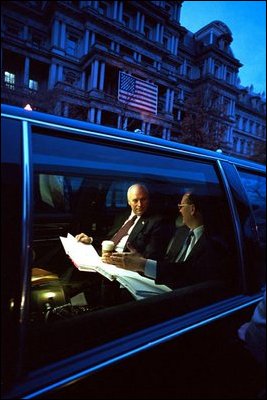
point(247, 22)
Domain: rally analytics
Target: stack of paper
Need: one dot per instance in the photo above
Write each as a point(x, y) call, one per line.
point(86, 258)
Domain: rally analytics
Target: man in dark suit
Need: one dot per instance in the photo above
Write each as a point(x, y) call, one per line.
point(200, 258)
point(147, 233)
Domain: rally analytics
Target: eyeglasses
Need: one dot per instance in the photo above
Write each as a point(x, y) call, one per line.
point(180, 206)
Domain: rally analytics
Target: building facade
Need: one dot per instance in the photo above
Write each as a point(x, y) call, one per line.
point(88, 59)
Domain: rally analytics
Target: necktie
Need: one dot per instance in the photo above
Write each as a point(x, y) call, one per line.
point(123, 230)
point(172, 251)
point(188, 241)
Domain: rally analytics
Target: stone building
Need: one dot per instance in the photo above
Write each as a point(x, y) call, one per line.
point(85, 59)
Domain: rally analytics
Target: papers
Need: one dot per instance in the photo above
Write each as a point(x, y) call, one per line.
point(86, 258)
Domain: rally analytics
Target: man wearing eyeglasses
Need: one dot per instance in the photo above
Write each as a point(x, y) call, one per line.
point(200, 258)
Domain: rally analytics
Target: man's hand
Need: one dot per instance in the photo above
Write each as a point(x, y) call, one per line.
point(131, 261)
point(82, 237)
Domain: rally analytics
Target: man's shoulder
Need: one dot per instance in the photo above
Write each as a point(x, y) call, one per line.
point(152, 217)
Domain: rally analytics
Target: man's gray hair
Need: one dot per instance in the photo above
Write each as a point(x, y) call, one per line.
point(137, 185)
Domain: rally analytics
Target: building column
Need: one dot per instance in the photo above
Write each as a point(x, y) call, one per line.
point(210, 65)
point(92, 40)
point(161, 33)
point(224, 72)
point(137, 24)
point(167, 100)
point(230, 134)
point(211, 37)
point(83, 80)
point(66, 110)
point(176, 45)
point(143, 127)
point(142, 24)
point(184, 67)
point(171, 101)
point(60, 73)
point(177, 12)
point(172, 45)
point(233, 108)
point(94, 74)
point(168, 134)
point(119, 122)
point(125, 123)
point(52, 76)
point(148, 125)
point(157, 32)
point(120, 11)
point(115, 9)
point(102, 75)
point(26, 75)
point(86, 42)
point(91, 114)
point(63, 35)
point(55, 32)
point(25, 32)
point(98, 116)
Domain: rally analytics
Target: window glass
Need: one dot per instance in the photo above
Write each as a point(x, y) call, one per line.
point(33, 84)
point(255, 186)
point(82, 187)
point(9, 80)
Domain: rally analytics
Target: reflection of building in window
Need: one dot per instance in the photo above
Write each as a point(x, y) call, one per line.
point(117, 194)
point(52, 190)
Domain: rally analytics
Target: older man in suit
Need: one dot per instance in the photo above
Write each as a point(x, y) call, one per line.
point(147, 233)
point(200, 258)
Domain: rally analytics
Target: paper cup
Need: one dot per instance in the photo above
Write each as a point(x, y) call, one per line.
point(107, 247)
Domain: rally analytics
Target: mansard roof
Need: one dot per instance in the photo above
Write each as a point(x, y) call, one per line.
point(218, 27)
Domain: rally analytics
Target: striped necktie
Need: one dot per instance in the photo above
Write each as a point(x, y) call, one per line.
point(123, 230)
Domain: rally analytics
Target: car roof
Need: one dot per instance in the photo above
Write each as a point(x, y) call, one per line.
point(84, 127)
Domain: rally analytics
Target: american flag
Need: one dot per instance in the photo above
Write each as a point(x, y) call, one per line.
point(138, 93)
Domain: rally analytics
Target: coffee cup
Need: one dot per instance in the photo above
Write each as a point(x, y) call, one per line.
point(107, 247)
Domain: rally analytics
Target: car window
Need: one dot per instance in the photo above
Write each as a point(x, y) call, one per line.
point(255, 186)
point(80, 186)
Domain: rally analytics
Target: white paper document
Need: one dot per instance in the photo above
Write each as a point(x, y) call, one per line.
point(86, 258)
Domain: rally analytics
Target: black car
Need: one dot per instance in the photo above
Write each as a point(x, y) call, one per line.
point(71, 333)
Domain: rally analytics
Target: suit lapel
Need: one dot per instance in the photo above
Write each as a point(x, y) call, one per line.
point(139, 226)
point(198, 246)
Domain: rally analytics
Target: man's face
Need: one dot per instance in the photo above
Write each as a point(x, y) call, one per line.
point(138, 200)
point(185, 209)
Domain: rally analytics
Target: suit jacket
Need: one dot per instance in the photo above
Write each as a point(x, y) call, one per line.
point(150, 235)
point(207, 261)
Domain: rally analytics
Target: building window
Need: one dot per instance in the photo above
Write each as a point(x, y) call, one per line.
point(148, 32)
point(9, 80)
point(33, 85)
point(188, 71)
point(127, 21)
point(37, 39)
point(216, 71)
point(72, 45)
point(103, 9)
point(12, 28)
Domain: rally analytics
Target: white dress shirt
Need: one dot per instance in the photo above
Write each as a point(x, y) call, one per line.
point(120, 246)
